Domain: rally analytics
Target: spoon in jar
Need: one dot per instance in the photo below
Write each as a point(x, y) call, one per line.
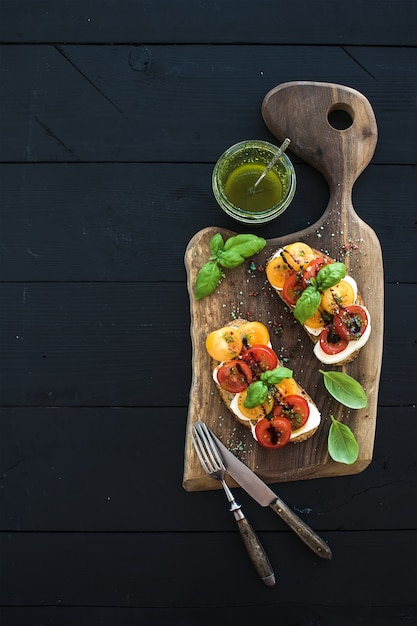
point(270, 165)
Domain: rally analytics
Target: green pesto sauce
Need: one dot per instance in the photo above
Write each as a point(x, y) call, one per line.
point(267, 194)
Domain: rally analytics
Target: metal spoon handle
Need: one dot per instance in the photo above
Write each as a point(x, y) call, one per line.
point(271, 164)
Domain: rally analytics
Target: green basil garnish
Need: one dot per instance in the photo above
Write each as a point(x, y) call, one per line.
point(229, 254)
point(230, 258)
point(307, 304)
point(216, 245)
point(238, 248)
point(330, 275)
point(345, 389)
point(309, 301)
point(207, 279)
point(341, 443)
point(257, 392)
point(246, 245)
point(275, 376)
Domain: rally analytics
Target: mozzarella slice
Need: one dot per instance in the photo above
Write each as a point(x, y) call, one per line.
point(313, 421)
point(313, 331)
point(356, 344)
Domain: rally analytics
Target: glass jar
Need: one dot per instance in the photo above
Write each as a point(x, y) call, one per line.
point(235, 174)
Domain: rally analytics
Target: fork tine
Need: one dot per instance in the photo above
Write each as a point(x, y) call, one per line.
point(203, 450)
point(211, 446)
point(201, 453)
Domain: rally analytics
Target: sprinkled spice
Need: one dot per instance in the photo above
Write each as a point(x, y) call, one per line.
point(348, 247)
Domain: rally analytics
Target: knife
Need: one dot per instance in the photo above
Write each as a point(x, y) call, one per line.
point(260, 492)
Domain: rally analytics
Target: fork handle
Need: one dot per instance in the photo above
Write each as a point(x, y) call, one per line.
point(255, 551)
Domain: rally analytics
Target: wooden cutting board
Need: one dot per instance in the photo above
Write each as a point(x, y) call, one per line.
point(300, 111)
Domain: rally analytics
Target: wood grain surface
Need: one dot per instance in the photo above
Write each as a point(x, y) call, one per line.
point(298, 110)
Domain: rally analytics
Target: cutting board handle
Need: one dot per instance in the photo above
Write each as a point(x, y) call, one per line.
point(304, 112)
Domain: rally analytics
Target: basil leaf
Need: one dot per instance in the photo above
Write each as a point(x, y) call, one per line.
point(245, 245)
point(345, 389)
point(275, 376)
point(256, 394)
point(230, 258)
point(341, 443)
point(330, 275)
point(237, 239)
point(228, 255)
point(307, 304)
point(207, 280)
point(216, 245)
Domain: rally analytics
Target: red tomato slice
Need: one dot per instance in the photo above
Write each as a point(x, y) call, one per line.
point(351, 322)
point(273, 433)
point(260, 357)
point(295, 408)
point(234, 376)
point(330, 341)
point(313, 269)
point(292, 289)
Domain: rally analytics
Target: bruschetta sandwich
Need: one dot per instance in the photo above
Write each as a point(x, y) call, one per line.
point(323, 298)
point(260, 393)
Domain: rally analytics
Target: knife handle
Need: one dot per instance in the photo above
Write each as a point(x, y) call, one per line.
point(306, 534)
point(255, 550)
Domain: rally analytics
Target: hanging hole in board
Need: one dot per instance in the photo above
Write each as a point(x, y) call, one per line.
point(340, 117)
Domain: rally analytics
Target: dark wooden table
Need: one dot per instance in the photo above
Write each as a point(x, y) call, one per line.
point(113, 115)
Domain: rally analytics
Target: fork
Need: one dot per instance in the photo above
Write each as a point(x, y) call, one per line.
point(212, 463)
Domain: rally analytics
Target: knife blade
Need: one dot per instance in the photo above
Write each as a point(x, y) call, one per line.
point(260, 492)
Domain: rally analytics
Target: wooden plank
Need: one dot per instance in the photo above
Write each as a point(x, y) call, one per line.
point(84, 345)
point(100, 344)
point(95, 222)
point(187, 21)
point(342, 615)
point(83, 470)
point(141, 570)
point(93, 103)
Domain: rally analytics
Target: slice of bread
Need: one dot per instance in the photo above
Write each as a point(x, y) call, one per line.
point(229, 399)
point(354, 346)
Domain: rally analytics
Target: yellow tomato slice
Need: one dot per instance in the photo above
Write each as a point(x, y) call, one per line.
point(287, 387)
point(340, 295)
point(224, 344)
point(316, 320)
point(293, 258)
point(254, 332)
point(277, 272)
point(298, 255)
point(258, 411)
